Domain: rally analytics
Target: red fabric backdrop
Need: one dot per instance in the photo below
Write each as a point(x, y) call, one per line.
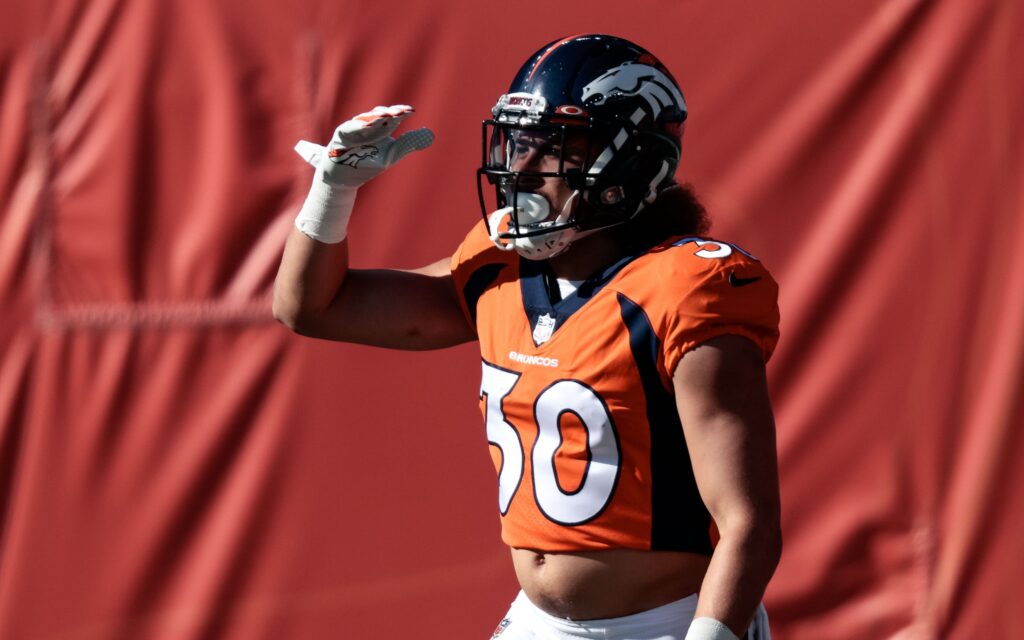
point(173, 464)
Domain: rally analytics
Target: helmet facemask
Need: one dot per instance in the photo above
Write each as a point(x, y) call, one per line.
point(607, 187)
point(520, 217)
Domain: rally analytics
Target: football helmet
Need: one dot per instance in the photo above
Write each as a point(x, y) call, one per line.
point(630, 114)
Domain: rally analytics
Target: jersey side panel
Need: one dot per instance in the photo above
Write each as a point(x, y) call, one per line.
point(679, 520)
point(475, 265)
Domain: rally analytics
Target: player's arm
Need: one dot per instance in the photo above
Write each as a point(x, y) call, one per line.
point(316, 294)
point(723, 403)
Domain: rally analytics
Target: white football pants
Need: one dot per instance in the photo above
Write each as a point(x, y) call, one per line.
point(524, 621)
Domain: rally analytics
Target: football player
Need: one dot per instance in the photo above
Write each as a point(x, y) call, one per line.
point(623, 353)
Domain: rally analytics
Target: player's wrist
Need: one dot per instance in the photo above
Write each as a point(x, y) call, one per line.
point(326, 211)
point(704, 628)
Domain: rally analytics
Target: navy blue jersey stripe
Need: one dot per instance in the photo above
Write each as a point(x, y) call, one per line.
point(535, 296)
point(477, 283)
point(679, 519)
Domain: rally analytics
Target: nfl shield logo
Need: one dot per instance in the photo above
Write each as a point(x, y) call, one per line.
point(545, 327)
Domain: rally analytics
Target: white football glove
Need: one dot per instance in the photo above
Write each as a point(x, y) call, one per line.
point(360, 149)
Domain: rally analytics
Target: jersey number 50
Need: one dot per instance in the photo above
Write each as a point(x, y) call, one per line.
point(603, 456)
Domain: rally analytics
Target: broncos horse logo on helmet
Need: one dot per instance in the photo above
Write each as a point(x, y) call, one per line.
point(632, 79)
point(627, 105)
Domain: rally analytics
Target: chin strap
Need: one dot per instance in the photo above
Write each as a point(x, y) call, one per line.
point(493, 224)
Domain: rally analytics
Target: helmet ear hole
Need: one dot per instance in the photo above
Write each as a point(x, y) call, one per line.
point(612, 195)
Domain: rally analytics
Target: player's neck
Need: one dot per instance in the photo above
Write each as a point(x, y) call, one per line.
point(587, 256)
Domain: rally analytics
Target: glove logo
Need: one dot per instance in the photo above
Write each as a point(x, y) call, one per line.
point(352, 157)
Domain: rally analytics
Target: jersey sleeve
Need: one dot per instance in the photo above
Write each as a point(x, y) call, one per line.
point(720, 295)
point(475, 265)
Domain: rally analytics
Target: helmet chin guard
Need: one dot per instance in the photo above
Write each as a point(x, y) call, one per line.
point(528, 231)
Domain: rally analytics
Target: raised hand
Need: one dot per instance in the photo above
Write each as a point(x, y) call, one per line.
point(360, 150)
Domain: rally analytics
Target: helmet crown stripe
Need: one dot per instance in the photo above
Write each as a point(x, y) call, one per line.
point(551, 50)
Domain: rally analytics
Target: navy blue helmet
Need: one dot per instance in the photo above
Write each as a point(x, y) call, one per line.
point(625, 104)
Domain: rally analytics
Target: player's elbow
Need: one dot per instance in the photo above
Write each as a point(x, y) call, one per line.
point(289, 312)
point(284, 309)
point(758, 533)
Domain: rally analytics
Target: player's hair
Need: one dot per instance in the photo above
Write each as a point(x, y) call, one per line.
point(676, 212)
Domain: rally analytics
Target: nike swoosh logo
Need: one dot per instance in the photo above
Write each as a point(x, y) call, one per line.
point(741, 282)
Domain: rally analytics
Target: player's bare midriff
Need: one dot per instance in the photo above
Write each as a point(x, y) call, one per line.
point(589, 585)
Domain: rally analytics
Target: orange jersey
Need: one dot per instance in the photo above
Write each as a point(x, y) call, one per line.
point(577, 395)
